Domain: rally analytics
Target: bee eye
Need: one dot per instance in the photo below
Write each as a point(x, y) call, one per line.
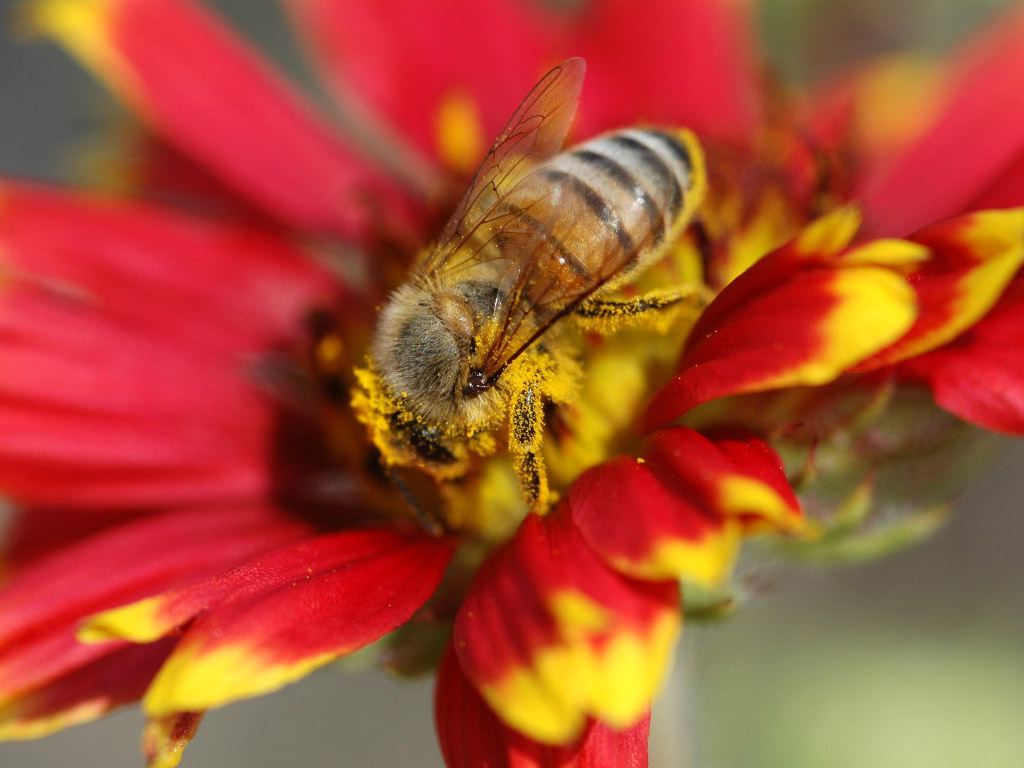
point(477, 383)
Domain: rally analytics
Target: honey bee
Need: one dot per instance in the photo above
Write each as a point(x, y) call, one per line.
point(471, 341)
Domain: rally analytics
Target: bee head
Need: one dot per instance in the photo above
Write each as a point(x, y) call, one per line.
point(422, 348)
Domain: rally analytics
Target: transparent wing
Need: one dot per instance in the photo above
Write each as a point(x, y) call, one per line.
point(560, 263)
point(534, 133)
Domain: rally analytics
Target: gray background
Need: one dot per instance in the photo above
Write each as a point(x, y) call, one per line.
point(913, 661)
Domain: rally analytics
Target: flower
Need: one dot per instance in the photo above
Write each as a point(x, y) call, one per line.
point(201, 518)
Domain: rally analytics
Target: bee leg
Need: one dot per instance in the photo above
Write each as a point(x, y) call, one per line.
point(524, 440)
point(605, 315)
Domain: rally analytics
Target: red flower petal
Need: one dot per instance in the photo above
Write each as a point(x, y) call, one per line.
point(202, 89)
point(972, 259)
point(687, 501)
point(125, 357)
point(550, 635)
point(674, 63)
point(216, 285)
point(800, 315)
point(391, 56)
point(36, 532)
point(44, 602)
point(301, 613)
point(671, 62)
point(645, 529)
point(734, 475)
point(980, 376)
point(83, 694)
point(934, 177)
point(471, 735)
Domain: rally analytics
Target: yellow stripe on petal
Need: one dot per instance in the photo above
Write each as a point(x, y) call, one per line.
point(630, 670)
point(997, 239)
point(139, 622)
point(16, 727)
point(614, 681)
point(708, 562)
point(741, 494)
point(875, 308)
point(829, 234)
point(888, 252)
point(84, 28)
point(194, 679)
point(577, 615)
point(542, 701)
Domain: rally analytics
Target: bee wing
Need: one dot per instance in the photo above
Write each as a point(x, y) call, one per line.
point(534, 133)
point(546, 280)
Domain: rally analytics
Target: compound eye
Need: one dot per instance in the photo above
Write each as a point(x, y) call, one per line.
point(477, 383)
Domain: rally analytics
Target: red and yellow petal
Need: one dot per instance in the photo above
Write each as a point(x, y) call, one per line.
point(879, 109)
point(43, 602)
point(733, 474)
point(551, 636)
point(799, 316)
point(471, 735)
point(289, 617)
point(972, 260)
point(164, 738)
point(82, 694)
point(934, 178)
point(689, 501)
point(646, 529)
point(202, 89)
point(980, 376)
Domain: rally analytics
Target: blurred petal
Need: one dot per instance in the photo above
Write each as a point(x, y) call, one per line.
point(663, 536)
point(125, 360)
point(980, 376)
point(935, 177)
point(878, 110)
point(550, 635)
point(425, 67)
point(972, 260)
point(672, 62)
point(471, 735)
point(164, 738)
point(244, 289)
point(205, 92)
point(293, 616)
point(82, 694)
point(43, 602)
point(36, 532)
point(801, 315)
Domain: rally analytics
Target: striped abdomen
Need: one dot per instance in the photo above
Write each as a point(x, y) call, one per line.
point(600, 208)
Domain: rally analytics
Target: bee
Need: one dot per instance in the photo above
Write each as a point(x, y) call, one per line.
point(470, 343)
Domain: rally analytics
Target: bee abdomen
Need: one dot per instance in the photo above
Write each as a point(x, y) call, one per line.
point(659, 158)
point(632, 184)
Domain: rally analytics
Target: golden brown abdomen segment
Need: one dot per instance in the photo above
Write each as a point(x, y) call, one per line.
point(604, 205)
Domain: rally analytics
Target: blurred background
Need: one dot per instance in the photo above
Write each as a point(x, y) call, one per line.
point(917, 660)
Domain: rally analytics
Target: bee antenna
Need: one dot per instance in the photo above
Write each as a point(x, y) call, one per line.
point(428, 522)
